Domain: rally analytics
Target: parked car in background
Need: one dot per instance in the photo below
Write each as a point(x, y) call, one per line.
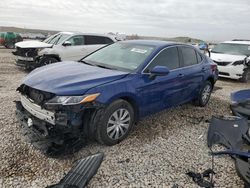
point(8, 39)
point(104, 94)
point(232, 59)
point(63, 46)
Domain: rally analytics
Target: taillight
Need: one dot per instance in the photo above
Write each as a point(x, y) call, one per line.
point(214, 67)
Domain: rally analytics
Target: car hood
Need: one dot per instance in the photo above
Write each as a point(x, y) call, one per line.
point(226, 57)
point(33, 44)
point(70, 78)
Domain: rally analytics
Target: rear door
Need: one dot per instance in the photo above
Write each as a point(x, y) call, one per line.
point(193, 72)
point(92, 43)
point(162, 91)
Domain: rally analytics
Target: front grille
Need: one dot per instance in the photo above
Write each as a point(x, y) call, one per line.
point(224, 73)
point(39, 97)
point(222, 63)
point(25, 52)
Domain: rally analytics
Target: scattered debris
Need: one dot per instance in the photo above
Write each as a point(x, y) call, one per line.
point(203, 179)
point(232, 132)
point(81, 172)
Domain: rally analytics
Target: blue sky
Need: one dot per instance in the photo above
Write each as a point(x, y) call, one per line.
point(209, 20)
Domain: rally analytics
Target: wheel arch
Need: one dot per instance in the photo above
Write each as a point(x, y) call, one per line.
point(57, 57)
point(131, 99)
point(211, 80)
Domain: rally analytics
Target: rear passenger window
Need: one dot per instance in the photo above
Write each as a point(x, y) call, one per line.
point(92, 40)
point(108, 40)
point(189, 56)
point(168, 57)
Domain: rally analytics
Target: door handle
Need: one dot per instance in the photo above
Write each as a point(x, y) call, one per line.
point(203, 69)
point(180, 75)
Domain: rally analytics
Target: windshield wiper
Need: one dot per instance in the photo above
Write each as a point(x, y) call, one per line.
point(102, 66)
point(86, 63)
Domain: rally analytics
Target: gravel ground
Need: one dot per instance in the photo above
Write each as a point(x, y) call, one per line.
point(157, 153)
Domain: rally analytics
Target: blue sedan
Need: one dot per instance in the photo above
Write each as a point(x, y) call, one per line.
point(105, 93)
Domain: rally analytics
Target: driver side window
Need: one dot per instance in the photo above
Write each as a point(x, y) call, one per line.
point(76, 40)
point(168, 57)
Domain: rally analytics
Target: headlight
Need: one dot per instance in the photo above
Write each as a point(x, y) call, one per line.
point(72, 100)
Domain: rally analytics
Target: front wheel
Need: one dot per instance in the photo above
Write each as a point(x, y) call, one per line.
point(204, 94)
point(48, 60)
point(115, 123)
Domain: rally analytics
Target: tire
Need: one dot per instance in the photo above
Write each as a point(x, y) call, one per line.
point(204, 94)
point(115, 122)
point(47, 60)
point(246, 76)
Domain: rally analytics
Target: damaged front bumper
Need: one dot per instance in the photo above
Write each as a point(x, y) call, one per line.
point(52, 133)
point(26, 58)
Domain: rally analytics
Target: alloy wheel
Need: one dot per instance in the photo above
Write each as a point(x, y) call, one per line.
point(206, 94)
point(118, 124)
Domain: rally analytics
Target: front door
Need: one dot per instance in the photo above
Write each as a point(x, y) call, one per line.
point(75, 51)
point(162, 91)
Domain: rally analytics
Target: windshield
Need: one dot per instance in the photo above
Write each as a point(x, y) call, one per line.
point(56, 39)
point(233, 49)
point(121, 56)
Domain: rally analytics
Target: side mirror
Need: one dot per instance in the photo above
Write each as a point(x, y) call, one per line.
point(67, 43)
point(159, 71)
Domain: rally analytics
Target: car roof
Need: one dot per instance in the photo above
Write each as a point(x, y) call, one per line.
point(237, 42)
point(81, 33)
point(156, 43)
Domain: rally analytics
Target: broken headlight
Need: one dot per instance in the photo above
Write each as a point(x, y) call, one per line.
point(240, 62)
point(72, 100)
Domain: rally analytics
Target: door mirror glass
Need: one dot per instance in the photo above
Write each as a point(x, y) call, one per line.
point(160, 71)
point(67, 43)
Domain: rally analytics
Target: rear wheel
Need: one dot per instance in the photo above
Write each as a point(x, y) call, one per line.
point(246, 76)
point(204, 94)
point(115, 123)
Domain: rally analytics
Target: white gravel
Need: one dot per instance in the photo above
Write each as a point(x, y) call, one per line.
point(157, 153)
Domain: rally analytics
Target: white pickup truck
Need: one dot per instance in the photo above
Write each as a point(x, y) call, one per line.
point(63, 46)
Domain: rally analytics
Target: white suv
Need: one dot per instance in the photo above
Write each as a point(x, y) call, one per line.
point(63, 46)
point(232, 58)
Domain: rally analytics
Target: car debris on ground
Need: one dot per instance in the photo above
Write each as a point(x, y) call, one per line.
point(81, 173)
point(232, 132)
